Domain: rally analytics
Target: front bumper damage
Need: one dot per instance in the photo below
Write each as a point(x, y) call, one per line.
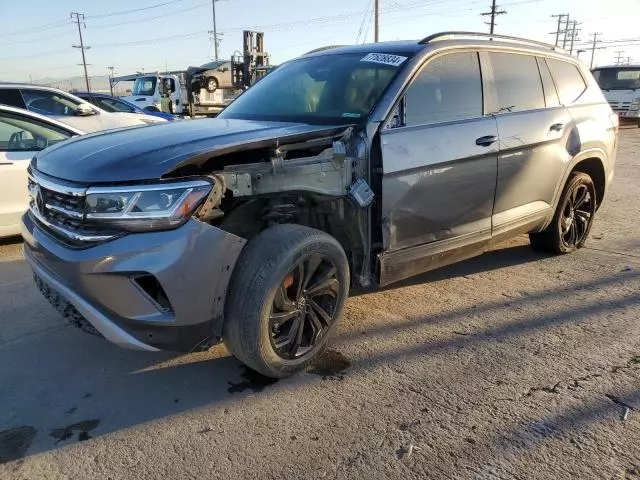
point(101, 284)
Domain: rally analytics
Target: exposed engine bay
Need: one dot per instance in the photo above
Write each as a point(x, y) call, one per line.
point(319, 181)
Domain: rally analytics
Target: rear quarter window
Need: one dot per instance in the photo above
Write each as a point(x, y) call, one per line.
point(11, 97)
point(569, 81)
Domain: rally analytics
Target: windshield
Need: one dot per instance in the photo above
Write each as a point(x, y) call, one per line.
point(324, 89)
point(144, 86)
point(623, 78)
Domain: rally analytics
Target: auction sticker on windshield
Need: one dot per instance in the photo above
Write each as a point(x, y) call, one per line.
point(384, 58)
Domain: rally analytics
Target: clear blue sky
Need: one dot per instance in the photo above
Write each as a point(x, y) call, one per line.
point(37, 35)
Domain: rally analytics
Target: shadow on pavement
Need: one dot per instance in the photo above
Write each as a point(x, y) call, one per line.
point(67, 386)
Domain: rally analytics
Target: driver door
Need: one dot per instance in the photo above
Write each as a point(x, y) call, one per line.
point(439, 156)
point(20, 138)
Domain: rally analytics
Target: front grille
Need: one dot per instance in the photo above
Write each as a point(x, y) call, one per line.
point(620, 106)
point(59, 209)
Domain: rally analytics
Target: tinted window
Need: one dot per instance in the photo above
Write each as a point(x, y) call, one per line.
point(550, 93)
point(49, 103)
point(113, 105)
point(11, 97)
point(19, 133)
point(517, 81)
point(618, 78)
point(449, 88)
point(568, 80)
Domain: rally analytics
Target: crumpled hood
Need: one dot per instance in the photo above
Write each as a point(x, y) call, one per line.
point(149, 152)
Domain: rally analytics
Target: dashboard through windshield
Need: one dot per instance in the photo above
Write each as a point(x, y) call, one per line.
point(334, 88)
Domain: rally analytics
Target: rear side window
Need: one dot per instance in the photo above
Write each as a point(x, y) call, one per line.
point(550, 92)
point(568, 80)
point(11, 97)
point(448, 88)
point(517, 81)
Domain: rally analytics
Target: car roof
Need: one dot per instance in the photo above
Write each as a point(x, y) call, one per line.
point(444, 40)
point(41, 118)
point(600, 67)
point(43, 88)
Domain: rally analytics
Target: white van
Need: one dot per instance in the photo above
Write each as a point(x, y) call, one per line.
point(621, 87)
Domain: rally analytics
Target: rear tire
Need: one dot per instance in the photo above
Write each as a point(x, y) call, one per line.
point(286, 295)
point(569, 229)
point(211, 84)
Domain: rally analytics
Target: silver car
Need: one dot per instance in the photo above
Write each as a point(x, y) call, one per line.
point(349, 166)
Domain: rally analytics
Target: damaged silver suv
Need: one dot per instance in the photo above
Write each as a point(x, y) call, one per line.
point(350, 166)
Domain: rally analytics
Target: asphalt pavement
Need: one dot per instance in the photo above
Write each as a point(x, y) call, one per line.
point(512, 365)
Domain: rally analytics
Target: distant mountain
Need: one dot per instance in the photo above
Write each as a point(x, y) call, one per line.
point(98, 83)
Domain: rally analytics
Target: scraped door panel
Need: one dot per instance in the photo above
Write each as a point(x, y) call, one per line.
point(438, 183)
point(440, 164)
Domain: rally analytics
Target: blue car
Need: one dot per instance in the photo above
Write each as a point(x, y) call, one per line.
point(115, 104)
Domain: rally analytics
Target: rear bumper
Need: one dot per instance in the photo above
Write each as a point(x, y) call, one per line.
point(192, 265)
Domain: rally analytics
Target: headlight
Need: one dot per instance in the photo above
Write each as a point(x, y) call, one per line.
point(635, 104)
point(145, 208)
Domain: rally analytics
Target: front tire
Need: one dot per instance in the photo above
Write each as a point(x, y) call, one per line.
point(572, 220)
point(286, 295)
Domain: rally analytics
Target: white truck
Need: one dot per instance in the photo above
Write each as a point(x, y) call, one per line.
point(621, 87)
point(189, 94)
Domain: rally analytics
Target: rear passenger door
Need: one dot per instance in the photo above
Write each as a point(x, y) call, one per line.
point(439, 162)
point(533, 129)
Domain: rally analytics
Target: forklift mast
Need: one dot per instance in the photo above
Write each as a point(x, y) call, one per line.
point(253, 63)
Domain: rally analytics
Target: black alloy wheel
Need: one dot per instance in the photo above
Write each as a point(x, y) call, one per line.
point(577, 212)
point(304, 306)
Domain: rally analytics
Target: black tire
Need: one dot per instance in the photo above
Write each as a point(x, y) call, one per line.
point(272, 270)
point(570, 227)
point(211, 84)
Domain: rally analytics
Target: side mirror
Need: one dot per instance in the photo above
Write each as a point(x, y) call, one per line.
point(85, 110)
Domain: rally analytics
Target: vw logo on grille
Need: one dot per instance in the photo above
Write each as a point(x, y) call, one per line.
point(38, 200)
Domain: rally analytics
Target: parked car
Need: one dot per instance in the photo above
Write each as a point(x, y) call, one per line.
point(115, 105)
point(352, 166)
point(22, 135)
point(68, 108)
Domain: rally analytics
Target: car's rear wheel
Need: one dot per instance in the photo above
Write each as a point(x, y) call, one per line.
point(573, 218)
point(286, 295)
point(211, 85)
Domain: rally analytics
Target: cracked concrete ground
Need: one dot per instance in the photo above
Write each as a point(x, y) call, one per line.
point(513, 365)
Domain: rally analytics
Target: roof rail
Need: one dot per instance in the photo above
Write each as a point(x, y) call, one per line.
point(321, 49)
point(441, 35)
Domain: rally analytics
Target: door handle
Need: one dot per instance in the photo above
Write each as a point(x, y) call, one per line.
point(6, 163)
point(556, 127)
point(486, 141)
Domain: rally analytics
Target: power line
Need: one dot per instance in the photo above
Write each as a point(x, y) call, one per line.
point(47, 26)
point(145, 20)
point(493, 13)
point(80, 19)
point(126, 12)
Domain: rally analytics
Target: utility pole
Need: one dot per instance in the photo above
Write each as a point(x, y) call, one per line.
point(376, 20)
point(560, 17)
point(215, 31)
point(111, 69)
point(493, 13)
point(566, 33)
point(593, 46)
point(80, 19)
point(619, 57)
point(574, 34)
point(628, 61)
